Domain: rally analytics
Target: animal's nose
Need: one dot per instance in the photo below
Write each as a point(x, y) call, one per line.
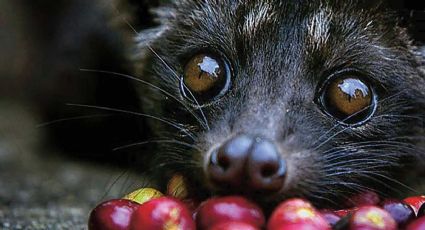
point(247, 162)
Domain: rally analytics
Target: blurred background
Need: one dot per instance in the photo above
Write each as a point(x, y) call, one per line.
point(56, 159)
point(56, 154)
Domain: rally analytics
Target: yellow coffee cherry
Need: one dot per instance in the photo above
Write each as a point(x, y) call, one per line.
point(143, 195)
point(177, 187)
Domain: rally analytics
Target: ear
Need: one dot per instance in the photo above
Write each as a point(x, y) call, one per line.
point(147, 18)
point(139, 12)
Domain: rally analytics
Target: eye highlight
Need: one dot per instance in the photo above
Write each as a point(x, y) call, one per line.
point(349, 99)
point(205, 78)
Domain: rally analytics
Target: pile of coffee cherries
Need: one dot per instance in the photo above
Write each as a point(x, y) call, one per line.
point(149, 209)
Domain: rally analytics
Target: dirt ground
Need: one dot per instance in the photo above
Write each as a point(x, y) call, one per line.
point(40, 189)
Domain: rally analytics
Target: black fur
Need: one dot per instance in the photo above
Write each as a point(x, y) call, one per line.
point(277, 70)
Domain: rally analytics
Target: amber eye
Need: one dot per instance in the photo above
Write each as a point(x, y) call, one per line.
point(205, 78)
point(349, 99)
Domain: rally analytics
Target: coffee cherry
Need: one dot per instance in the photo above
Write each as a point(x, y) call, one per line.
point(415, 202)
point(233, 225)
point(345, 212)
point(177, 187)
point(330, 217)
point(401, 212)
point(231, 208)
point(294, 214)
point(418, 224)
point(112, 215)
point(162, 214)
point(421, 211)
point(372, 218)
point(296, 226)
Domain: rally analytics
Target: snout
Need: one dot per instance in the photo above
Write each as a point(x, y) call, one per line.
point(247, 163)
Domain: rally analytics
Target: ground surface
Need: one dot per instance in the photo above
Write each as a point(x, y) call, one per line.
point(47, 191)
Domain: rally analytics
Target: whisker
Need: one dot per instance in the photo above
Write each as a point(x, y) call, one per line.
point(173, 124)
point(330, 138)
point(124, 184)
point(363, 162)
point(153, 86)
point(156, 141)
point(400, 116)
point(350, 185)
point(72, 119)
point(316, 196)
point(408, 137)
point(178, 79)
point(351, 116)
point(393, 181)
point(373, 144)
point(171, 69)
point(113, 183)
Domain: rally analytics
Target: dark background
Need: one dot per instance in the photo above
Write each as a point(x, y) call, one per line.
point(52, 175)
point(56, 160)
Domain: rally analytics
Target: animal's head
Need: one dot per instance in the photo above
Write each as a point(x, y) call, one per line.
point(282, 98)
